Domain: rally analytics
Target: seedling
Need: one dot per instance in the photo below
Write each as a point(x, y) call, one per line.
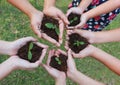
point(78, 43)
point(58, 60)
point(74, 19)
point(29, 51)
point(52, 26)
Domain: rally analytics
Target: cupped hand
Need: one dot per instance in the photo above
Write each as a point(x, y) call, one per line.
point(17, 44)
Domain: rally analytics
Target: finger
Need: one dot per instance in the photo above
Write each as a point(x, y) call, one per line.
point(75, 55)
point(42, 55)
point(63, 17)
point(50, 54)
point(61, 51)
point(34, 65)
point(46, 67)
point(69, 32)
point(68, 12)
point(70, 27)
point(20, 42)
point(61, 28)
point(41, 45)
point(80, 25)
point(36, 30)
point(66, 45)
point(50, 39)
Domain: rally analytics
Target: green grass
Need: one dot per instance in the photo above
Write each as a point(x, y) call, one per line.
point(14, 25)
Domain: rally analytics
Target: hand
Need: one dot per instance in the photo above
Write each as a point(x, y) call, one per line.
point(71, 65)
point(17, 44)
point(36, 19)
point(88, 51)
point(56, 13)
point(88, 35)
point(59, 42)
point(56, 74)
point(22, 64)
point(83, 18)
point(44, 51)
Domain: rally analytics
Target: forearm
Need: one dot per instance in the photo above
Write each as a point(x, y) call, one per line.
point(82, 79)
point(107, 36)
point(106, 7)
point(49, 3)
point(111, 62)
point(5, 47)
point(5, 69)
point(24, 6)
point(61, 81)
point(84, 4)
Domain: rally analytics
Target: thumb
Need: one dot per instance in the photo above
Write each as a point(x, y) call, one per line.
point(63, 17)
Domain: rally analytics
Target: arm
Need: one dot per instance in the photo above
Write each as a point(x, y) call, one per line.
point(34, 15)
point(15, 63)
point(6, 69)
point(77, 76)
point(24, 6)
point(11, 48)
point(103, 8)
point(107, 36)
point(59, 76)
point(84, 4)
point(108, 60)
point(49, 3)
point(100, 37)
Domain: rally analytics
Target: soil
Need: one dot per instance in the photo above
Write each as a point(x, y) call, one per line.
point(36, 52)
point(49, 32)
point(71, 17)
point(76, 37)
point(62, 66)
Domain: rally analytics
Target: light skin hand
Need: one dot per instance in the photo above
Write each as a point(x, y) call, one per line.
point(15, 63)
point(56, 13)
point(45, 47)
point(88, 35)
point(11, 48)
point(36, 20)
point(59, 76)
point(59, 42)
point(34, 14)
point(76, 75)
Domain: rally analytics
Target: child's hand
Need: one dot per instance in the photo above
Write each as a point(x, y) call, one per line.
point(22, 64)
point(14, 46)
point(61, 29)
point(88, 35)
point(88, 51)
point(83, 18)
point(71, 65)
point(56, 13)
point(36, 19)
point(56, 74)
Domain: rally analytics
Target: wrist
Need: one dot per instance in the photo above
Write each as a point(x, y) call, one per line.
point(71, 74)
point(10, 64)
point(34, 13)
point(61, 80)
point(81, 9)
point(94, 51)
point(86, 16)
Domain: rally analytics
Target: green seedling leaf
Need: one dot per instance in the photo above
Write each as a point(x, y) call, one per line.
point(58, 60)
point(82, 43)
point(78, 43)
point(49, 25)
point(57, 31)
point(29, 51)
point(74, 19)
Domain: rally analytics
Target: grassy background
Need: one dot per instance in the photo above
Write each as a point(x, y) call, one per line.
point(14, 25)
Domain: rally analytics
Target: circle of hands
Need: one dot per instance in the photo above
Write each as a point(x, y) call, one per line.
point(36, 19)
